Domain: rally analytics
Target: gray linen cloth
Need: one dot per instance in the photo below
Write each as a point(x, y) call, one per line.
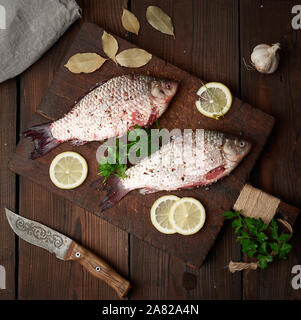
point(28, 28)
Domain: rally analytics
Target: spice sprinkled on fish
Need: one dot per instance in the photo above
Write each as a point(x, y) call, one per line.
point(180, 165)
point(109, 110)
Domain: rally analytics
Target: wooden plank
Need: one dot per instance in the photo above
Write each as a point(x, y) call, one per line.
point(278, 171)
point(200, 39)
point(42, 276)
point(8, 98)
point(131, 217)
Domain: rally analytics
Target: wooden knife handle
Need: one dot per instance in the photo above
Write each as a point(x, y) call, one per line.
point(98, 268)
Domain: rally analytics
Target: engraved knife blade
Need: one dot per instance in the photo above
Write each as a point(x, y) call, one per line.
point(66, 249)
point(39, 234)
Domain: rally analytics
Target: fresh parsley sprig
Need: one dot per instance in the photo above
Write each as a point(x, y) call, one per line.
point(115, 167)
point(258, 239)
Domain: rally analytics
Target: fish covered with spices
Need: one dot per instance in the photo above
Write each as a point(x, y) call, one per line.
point(193, 159)
point(108, 110)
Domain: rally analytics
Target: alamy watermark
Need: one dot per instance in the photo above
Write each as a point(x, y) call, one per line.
point(296, 281)
point(2, 18)
point(187, 147)
point(2, 278)
point(296, 21)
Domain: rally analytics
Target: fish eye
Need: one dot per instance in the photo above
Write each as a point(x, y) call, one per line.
point(242, 144)
point(168, 86)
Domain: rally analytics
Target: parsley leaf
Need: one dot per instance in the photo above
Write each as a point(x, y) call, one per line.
point(117, 155)
point(285, 248)
point(261, 237)
point(258, 239)
point(284, 237)
point(274, 246)
point(263, 248)
point(263, 260)
point(230, 214)
point(237, 224)
point(274, 229)
point(262, 263)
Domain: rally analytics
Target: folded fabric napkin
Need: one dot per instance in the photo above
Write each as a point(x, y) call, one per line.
point(28, 28)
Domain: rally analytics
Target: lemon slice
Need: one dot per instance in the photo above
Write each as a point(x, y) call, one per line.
point(159, 213)
point(187, 216)
point(68, 170)
point(215, 100)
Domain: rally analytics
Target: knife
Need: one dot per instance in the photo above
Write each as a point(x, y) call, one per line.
point(66, 249)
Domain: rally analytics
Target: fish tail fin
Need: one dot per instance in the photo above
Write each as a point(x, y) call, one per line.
point(115, 192)
point(43, 140)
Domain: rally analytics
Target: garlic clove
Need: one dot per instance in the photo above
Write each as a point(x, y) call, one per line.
point(265, 58)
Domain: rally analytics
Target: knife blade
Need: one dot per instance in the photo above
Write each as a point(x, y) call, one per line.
point(66, 249)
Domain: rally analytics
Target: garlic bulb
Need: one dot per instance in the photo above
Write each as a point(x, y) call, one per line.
point(265, 58)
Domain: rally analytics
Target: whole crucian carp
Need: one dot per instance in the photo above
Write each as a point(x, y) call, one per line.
point(178, 165)
point(109, 110)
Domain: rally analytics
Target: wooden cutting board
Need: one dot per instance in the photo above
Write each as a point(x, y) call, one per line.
point(132, 212)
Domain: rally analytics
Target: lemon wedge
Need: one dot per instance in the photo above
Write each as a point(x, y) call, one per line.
point(187, 216)
point(160, 211)
point(68, 170)
point(215, 100)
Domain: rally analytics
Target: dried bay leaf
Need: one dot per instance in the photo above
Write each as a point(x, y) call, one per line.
point(85, 62)
point(133, 58)
point(130, 22)
point(109, 45)
point(159, 20)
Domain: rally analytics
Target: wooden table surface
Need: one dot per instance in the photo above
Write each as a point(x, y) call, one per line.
point(212, 38)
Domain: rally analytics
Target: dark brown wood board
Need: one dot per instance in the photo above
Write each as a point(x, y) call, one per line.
point(132, 213)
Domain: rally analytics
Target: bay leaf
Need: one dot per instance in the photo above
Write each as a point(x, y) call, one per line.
point(130, 22)
point(133, 58)
point(109, 45)
point(159, 20)
point(85, 62)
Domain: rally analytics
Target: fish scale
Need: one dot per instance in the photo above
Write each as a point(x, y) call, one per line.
point(193, 159)
point(110, 109)
point(91, 120)
point(161, 172)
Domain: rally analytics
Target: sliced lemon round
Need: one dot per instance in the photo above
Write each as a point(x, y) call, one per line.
point(68, 170)
point(187, 216)
point(159, 213)
point(215, 100)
